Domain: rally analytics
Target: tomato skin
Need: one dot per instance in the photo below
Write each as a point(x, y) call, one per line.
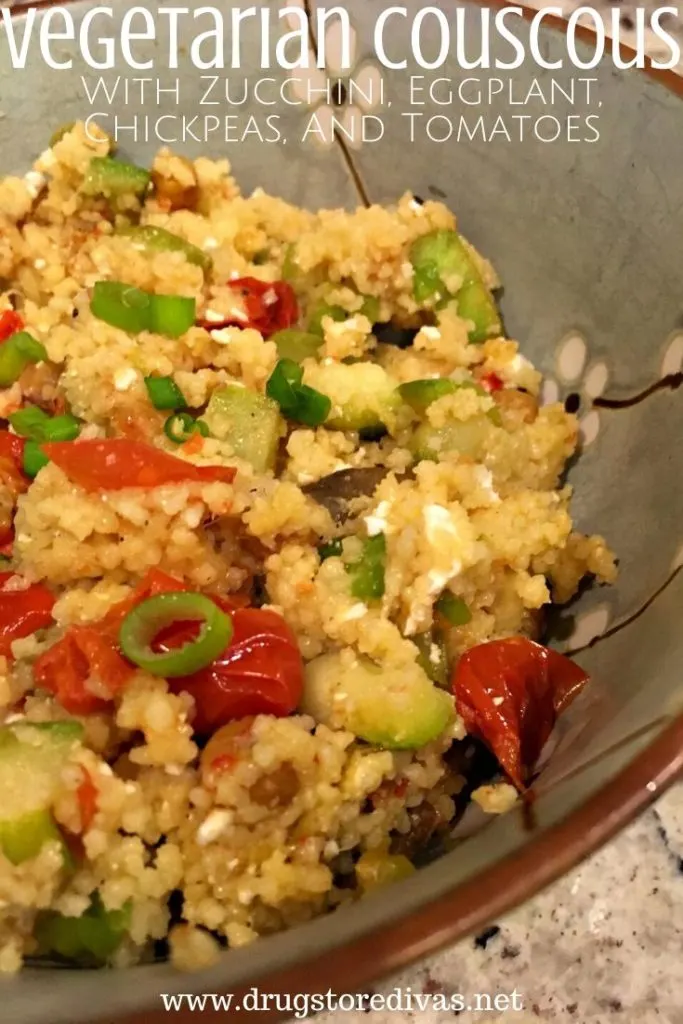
point(509, 693)
point(82, 652)
point(155, 582)
point(262, 315)
point(261, 672)
point(117, 463)
point(10, 323)
point(12, 448)
point(22, 612)
point(12, 462)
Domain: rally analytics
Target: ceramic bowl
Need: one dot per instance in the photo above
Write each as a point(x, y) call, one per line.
point(587, 239)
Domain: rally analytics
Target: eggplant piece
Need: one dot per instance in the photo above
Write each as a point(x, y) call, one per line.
point(392, 334)
point(337, 490)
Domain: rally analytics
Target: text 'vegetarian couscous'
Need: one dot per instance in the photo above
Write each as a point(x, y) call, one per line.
point(280, 513)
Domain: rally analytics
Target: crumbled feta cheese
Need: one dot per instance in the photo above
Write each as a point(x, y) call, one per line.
point(330, 849)
point(432, 333)
point(484, 478)
point(212, 316)
point(40, 264)
point(356, 611)
point(35, 183)
point(269, 298)
point(498, 701)
point(438, 580)
point(495, 799)
point(213, 826)
point(519, 362)
point(46, 159)
point(376, 522)
point(435, 654)
point(438, 520)
point(193, 515)
point(125, 378)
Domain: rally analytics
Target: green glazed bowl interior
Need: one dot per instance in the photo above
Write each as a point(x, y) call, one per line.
point(587, 240)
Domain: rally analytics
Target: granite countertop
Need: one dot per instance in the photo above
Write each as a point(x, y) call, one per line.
point(602, 945)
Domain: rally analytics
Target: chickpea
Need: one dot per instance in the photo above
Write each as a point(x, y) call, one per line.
point(518, 406)
point(227, 746)
point(176, 186)
point(277, 789)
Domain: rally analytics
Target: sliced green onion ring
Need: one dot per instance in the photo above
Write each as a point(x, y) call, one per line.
point(150, 617)
point(181, 427)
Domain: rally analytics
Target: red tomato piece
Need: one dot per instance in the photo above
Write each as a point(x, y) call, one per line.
point(268, 306)
point(22, 612)
point(87, 795)
point(117, 463)
point(260, 672)
point(509, 694)
point(10, 323)
point(84, 652)
point(12, 462)
point(12, 448)
point(492, 382)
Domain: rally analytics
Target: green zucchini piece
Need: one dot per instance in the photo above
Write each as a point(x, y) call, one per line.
point(419, 394)
point(315, 320)
point(363, 395)
point(31, 758)
point(397, 710)
point(433, 659)
point(367, 574)
point(114, 178)
point(151, 239)
point(297, 345)
point(249, 421)
point(90, 939)
point(442, 254)
point(468, 437)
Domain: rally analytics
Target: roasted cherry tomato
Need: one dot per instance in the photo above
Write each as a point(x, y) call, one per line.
point(260, 672)
point(114, 464)
point(22, 612)
point(268, 307)
point(509, 694)
point(83, 653)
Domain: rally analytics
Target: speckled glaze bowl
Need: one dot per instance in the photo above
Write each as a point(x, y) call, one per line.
point(587, 239)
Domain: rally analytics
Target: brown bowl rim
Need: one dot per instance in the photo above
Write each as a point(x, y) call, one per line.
point(505, 885)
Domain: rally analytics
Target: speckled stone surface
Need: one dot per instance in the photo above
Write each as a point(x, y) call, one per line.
point(603, 945)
